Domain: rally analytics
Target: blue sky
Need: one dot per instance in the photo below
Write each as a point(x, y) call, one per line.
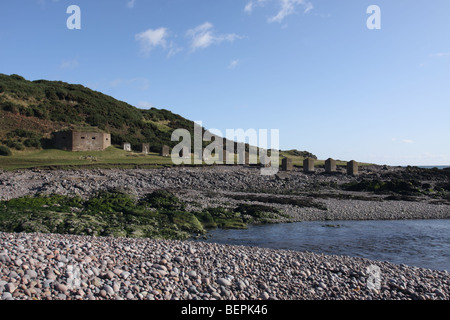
point(310, 68)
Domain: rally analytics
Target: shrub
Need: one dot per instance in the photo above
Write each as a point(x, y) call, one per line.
point(14, 144)
point(21, 133)
point(33, 143)
point(17, 77)
point(4, 151)
point(10, 107)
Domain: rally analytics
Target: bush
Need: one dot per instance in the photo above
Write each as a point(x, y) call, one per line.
point(21, 133)
point(4, 151)
point(33, 143)
point(10, 107)
point(17, 77)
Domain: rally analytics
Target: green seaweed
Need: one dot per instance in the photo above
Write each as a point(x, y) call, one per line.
point(118, 214)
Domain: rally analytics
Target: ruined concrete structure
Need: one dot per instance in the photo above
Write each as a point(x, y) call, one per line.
point(126, 146)
point(352, 168)
point(287, 164)
point(165, 151)
point(72, 140)
point(264, 161)
point(145, 148)
point(308, 165)
point(330, 165)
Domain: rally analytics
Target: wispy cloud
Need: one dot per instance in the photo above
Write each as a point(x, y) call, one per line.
point(254, 3)
point(233, 64)
point(173, 49)
point(204, 36)
point(131, 3)
point(151, 39)
point(286, 8)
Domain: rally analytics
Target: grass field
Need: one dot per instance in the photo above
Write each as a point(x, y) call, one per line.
point(110, 158)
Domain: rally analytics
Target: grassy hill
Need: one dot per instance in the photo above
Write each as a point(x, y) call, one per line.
point(31, 110)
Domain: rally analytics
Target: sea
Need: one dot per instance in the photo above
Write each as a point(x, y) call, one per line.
point(419, 243)
point(431, 167)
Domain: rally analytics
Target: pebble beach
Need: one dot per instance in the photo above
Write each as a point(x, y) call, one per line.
point(59, 267)
point(67, 267)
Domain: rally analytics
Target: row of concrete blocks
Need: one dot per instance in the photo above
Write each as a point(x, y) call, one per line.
point(286, 163)
point(145, 147)
point(165, 151)
point(330, 166)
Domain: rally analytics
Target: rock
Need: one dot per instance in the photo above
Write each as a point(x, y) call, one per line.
point(241, 285)
point(224, 282)
point(179, 259)
point(32, 274)
point(162, 273)
point(117, 272)
point(116, 287)
point(61, 287)
point(10, 287)
point(192, 274)
point(108, 289)
point(7, 296)
point(4, 258)
point(264, 296)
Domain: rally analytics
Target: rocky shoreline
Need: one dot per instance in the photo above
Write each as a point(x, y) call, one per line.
point(59, 267)
point(50, 266)
point(218, 186)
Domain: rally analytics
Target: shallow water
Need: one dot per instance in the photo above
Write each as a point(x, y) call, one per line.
point(421, 243)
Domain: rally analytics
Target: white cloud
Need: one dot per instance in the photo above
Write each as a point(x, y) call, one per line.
point(173, 49)
point(131, 3)
point(287, 7)
point(253, 3)
point(151, 39)
point(233, 64)
point(204, 36)
point(249, 7)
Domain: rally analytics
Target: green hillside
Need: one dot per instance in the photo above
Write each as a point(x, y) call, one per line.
point(31, 110)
